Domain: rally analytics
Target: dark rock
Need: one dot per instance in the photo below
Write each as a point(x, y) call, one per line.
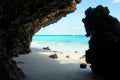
point(67, 56)
point(104, 45)
point(54, 56)
point(46, 48)
point(83, 65)
point(20, 20)
point(9, 66)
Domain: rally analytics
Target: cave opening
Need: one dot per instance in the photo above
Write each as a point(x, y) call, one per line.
point(21, 19)
point(66, 36)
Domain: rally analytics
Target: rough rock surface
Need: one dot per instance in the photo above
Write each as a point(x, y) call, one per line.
point(104, 45)
point(19, 20)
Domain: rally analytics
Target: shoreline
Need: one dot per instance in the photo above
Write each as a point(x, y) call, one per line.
point(64, 48)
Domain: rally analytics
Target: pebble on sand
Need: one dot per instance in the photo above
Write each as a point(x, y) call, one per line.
point(83, 65)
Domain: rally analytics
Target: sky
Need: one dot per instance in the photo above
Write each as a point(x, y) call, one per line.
point(72, 24)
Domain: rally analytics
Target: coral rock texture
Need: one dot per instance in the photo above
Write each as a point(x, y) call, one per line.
point(104, 45)
point(20, 20)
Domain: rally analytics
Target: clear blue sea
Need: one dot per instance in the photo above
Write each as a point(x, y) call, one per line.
point(64, 39)
point(62, 43)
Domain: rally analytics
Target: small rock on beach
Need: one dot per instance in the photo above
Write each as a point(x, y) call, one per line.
point(83, 65)
point(54, 56)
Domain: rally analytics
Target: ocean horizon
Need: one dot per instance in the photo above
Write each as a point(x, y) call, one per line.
point(63, 43)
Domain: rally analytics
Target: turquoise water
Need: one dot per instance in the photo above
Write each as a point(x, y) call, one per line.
point(61, 39)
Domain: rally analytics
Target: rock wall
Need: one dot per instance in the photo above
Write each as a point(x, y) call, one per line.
point(19, 20)
point(104, 45)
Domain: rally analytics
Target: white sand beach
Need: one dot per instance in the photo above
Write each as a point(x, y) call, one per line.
point(38, 66)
